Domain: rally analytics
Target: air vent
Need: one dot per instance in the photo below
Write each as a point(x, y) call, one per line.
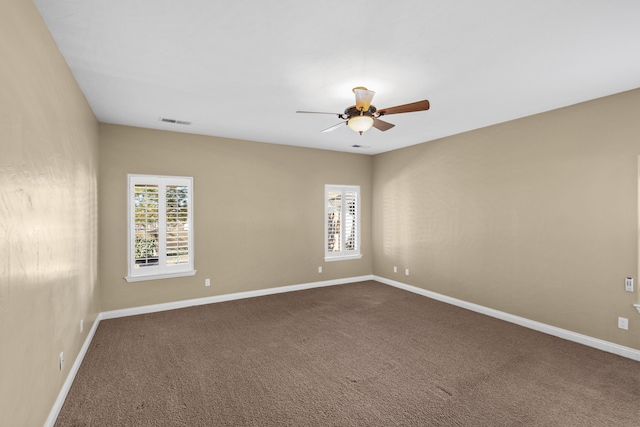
point(175, 121)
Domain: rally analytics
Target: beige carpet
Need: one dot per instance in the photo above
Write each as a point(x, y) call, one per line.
point(363, 354)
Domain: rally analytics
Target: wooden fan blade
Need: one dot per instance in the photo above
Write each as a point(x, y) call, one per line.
point(382, 125)
point(316, 112)
point(334, 127)
point(406, 108)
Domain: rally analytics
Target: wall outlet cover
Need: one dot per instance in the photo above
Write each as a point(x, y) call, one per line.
point(623, 323)
point(628, 284)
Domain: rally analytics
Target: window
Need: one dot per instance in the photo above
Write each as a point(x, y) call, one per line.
point(342, 222)
point(160, 227)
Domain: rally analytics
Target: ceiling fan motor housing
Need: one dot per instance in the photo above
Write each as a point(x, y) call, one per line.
point(353, 111)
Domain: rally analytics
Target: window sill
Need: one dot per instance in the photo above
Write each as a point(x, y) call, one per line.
point(160, 276)
point(342, 258)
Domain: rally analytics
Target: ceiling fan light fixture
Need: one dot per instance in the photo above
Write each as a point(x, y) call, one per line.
point(363, 98)
point(360, 123)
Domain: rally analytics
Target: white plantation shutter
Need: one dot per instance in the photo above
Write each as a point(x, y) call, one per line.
point(145, 209)
point(351, 221)
point(160, 227)
point(342, 222)
point(334, 214)
point(177, 224)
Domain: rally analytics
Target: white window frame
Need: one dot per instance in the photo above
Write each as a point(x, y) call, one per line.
point(162, 270)
point(343, 254)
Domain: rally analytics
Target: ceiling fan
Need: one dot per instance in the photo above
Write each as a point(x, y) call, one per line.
point(362, 116)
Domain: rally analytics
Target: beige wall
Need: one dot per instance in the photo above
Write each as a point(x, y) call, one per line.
point(258, 212)
point(48, 216)
point(536, 217)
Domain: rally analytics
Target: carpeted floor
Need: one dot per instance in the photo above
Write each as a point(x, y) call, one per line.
point(363, 354)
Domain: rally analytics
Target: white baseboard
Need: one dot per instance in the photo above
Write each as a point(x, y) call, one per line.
point(607, 346)
point(228, 297)
point(62, 395)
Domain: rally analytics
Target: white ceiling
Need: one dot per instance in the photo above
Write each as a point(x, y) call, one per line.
point(240, 69)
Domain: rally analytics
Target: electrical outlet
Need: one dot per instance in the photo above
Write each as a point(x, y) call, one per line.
point(320, 269)
point(61, 360)
point(207, 282)
point(81, 325)
point(628, 284)
point(623, 323)
point(395, 269)
point(406, 271)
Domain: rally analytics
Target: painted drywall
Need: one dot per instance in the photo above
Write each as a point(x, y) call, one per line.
point(258, 212)
point(536, 217)
point(48, 217)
